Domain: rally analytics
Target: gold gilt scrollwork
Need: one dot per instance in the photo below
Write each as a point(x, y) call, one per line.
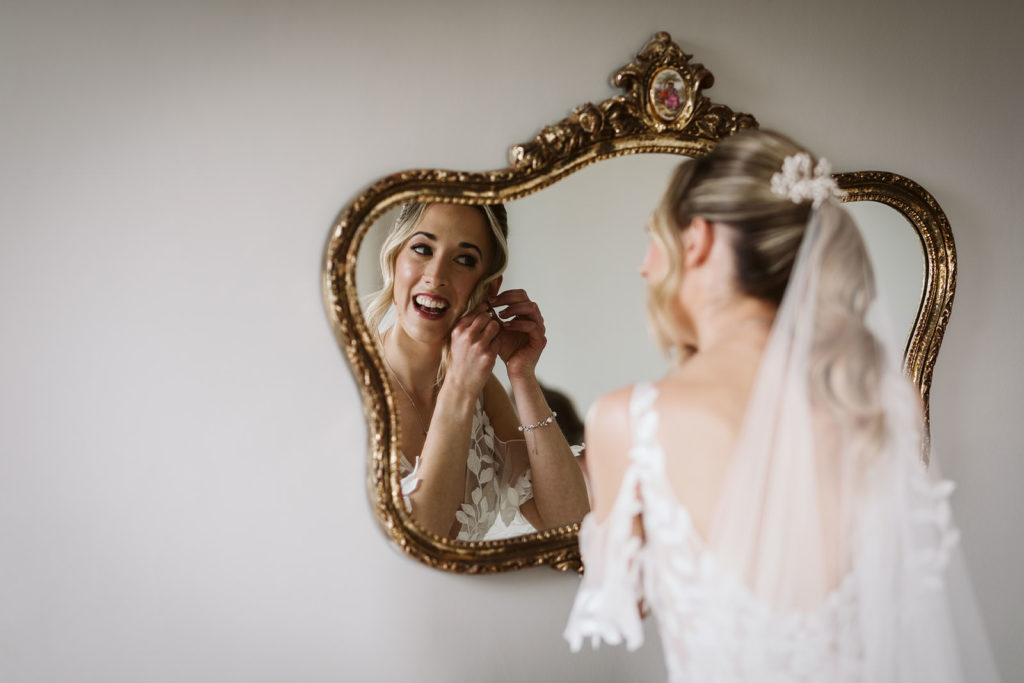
point(628, 123)
point(919, 207)
point(603, 126)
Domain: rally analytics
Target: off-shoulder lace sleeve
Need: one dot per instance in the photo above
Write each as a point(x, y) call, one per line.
point(607, 604)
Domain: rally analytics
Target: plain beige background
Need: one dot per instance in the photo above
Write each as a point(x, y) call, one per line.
point(182, 465)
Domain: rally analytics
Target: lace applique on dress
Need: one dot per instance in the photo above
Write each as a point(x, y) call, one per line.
point(712, 627)
point(497, 481)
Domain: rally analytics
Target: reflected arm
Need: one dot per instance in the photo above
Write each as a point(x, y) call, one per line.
point(442, 467)
point(559, 491)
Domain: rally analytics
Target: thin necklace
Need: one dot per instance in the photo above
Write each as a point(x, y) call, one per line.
point(419, 416)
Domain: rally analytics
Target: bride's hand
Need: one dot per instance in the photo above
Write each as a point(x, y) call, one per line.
point(473, 351)
point(521, 339)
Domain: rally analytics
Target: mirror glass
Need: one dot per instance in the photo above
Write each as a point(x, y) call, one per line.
point(576, 247)
point(898, 259)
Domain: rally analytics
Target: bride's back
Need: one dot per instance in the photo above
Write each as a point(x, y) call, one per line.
point(766, 499)
point(702, 406)
point(724, 243)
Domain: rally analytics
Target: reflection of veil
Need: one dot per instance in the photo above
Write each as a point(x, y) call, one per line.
point(828, 495)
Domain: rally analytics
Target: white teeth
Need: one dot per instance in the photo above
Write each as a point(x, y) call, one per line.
point(428, 302)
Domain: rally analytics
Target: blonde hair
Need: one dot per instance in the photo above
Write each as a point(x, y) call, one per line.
point(732, 185)
point(849, 360)
point(405, 225)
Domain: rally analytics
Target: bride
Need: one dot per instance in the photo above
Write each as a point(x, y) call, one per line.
point(767, 500)
point(466, 460)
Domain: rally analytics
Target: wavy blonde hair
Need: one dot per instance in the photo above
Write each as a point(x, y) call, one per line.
point(848, 359)
point(732, 185)
point(405, 225)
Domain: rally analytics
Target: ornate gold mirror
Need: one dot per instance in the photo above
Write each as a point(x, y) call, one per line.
point(576, 247)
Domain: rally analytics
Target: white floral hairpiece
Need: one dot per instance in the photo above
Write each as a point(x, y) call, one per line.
point(797, 181)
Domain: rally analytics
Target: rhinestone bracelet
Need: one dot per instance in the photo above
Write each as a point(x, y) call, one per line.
point(542, 423)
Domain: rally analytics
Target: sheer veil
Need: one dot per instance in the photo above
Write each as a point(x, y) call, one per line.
point(829, 493)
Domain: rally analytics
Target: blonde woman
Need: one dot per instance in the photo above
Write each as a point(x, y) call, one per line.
point(468, 460)
point(767, 499)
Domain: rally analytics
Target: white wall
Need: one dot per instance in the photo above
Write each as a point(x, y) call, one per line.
point(181, 444)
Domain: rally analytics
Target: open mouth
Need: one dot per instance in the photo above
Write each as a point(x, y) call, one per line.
point(430, 306)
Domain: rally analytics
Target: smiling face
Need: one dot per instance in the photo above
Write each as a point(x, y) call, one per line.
point(438, 268)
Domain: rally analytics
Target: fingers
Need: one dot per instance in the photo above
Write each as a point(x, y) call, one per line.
point(473, 351)
point(470, 315)
point(529, 327)
point(524, 311)
point(477, 327)
point(517, 305)
point(486, 329)
point(510, 296)
point(493, 313)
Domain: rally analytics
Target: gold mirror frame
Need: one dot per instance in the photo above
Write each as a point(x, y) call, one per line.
point(630, 123)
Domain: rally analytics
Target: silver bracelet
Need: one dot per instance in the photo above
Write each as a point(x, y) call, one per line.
point(543, 423)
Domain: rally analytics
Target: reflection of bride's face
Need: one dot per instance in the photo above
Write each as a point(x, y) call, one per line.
point(438, 268)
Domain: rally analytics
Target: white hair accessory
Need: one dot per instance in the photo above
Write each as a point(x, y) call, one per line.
point(797, 181)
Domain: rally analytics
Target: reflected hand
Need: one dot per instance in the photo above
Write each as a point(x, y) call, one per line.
point(522, 336)
point(473, 351)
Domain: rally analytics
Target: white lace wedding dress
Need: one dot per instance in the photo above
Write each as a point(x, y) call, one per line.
point(497, 482)
point(830, 555)
point(713, 628)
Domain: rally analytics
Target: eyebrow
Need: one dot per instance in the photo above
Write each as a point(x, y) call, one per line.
point(462, 245)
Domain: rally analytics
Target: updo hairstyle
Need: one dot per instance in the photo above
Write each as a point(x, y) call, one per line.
point(732, 186)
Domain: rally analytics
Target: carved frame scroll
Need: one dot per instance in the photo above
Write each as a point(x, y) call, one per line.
point(919, 207)
point(662, 109)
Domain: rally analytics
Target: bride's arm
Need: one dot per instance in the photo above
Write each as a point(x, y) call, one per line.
point(559, 491)
point(442, 467)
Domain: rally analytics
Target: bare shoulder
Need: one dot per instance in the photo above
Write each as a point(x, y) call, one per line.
point(701, 408)
point(711, 388)
point(607, 424)
point(608, 441)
